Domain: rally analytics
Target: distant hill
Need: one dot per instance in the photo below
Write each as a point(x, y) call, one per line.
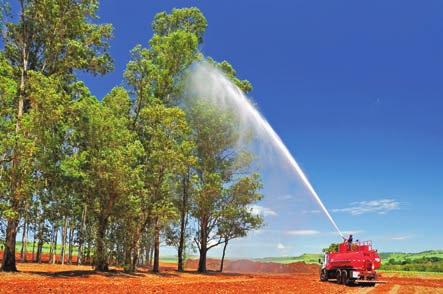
point(401, 256)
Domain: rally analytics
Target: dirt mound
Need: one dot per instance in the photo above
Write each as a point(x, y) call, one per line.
point(250, 266)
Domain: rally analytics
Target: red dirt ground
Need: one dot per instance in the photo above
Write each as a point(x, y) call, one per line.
point(48, 278)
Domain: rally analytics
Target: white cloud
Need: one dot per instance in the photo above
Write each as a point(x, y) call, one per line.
point(261, 210)
point(302, 232)
point(286, 197)
point(315, 211)
point(400, 238)
point(381, 206)
point(351, 232)
point(280, 246)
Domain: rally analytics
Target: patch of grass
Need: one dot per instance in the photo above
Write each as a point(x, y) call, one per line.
point(45, 249)
point(412, 273)
point(400, 256)
point(169, 259)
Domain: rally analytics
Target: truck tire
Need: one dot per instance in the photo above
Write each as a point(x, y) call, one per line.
point(338, 276)
point(323, 275)
point(344, 277)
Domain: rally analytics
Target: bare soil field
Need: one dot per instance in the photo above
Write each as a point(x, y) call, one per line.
point(48, 278)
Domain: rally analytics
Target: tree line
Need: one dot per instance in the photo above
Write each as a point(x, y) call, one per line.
point(115, 177)
point(424, 264)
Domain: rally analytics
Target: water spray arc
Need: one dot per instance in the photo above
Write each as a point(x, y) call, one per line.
point(296, 167)
point(207, 82)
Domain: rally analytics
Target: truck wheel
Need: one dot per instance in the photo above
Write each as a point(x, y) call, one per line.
point(344, 277)
point(323, 275)
point(338, 276)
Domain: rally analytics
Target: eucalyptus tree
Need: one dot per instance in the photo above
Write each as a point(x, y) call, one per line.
point(52, 38)
point(223, 168)
point(107, 161)
point(165, 138)
point(9, 139)
point(153, 77)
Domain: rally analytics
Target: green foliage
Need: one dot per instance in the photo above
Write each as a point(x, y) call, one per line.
point(236, 218)
point(332, 248)
point(112, 176)
point(429, 261)
point(8, 90)
point(165, 136)
point(230, 72)
point(60, 37)
point(189, 20)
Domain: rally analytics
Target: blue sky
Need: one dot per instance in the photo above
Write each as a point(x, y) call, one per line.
point(354, 88)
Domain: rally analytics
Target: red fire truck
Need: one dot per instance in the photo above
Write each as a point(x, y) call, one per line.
point(352, 263)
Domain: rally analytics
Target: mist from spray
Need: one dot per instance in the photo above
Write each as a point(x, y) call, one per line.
point(204, 81)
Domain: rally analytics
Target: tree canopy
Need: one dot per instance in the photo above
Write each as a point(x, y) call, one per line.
point(115, 177)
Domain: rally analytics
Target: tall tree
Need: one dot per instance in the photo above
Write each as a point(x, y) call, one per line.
point(153, 76)
point(107, 160)
point(222, 164)
point(168, 150)
point(51, 37)
point(10, 139)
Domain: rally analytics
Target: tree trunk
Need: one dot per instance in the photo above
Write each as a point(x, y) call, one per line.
point(88, 253)
point(51, 245)
point(79, 254)
point(223, 255)
point(203, 246)
point(128, 259)
point(151, 255)
point(81, 237)
point(8, 262)
point(101, 261)
point(148, 255)
point(156, 267)
point(134, 259)
point(33, 248)
point(183, 220)
point(135, 251)
point(54, 253)
point(24, 250)
point(70, 243)
point(64, 233)
point(38, 257)
point(202, 260)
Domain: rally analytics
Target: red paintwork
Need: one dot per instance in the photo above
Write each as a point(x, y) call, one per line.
point(359, 256)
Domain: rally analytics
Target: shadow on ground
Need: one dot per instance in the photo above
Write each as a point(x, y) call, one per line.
point(122, 274)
